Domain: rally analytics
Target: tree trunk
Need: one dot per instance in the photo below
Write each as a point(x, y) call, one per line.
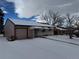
point(70, 33)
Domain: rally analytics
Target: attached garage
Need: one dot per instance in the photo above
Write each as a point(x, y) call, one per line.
point(30, 33)
point(22, 29)
point(21, 33)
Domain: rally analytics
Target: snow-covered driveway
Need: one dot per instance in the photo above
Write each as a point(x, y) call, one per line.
point(37, 48)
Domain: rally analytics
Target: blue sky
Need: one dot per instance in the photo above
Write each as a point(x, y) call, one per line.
point(28, 9)
point(9, 10)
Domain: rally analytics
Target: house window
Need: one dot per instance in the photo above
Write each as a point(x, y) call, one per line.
point(43, 30)
point(49, 29)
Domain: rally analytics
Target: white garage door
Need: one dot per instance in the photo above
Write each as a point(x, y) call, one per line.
point(21, 33)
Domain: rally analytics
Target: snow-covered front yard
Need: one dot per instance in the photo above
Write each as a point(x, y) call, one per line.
point(37, 48)
point(64, 39)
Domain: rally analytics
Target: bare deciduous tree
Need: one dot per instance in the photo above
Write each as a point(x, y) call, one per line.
point(70, 22)
point(60, 21)
point(56, 19)
point(45, 18)
point(53, 16)
point(77, 22)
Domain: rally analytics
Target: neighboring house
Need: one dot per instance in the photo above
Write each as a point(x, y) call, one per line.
point(63, 30)
point(60, 31)
point(22, 29)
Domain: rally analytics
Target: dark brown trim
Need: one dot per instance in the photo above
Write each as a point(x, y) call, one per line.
point(27, 33)
point(15, 32)
point(11, 22)
point(33, 26)
point(21, 27)
point(14, 28)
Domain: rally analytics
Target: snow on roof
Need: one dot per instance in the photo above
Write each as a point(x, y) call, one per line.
point(60, 28)
point(28, 22)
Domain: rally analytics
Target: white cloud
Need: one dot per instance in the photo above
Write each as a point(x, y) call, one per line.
point(27, 8)
point(24, 8)
point(64, 5)
point(75, 13)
